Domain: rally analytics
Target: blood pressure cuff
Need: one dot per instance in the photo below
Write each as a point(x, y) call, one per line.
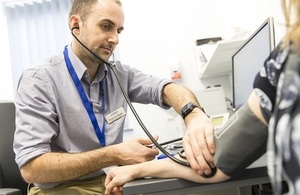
point(241, 142)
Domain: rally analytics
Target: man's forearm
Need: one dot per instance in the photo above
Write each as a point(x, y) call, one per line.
point(57, 167)
point(178, 96)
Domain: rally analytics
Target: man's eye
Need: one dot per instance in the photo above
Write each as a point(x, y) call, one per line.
point(119, 31)
point(105, 26)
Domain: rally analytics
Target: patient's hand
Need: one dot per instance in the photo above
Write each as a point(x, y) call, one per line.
point(117, 177)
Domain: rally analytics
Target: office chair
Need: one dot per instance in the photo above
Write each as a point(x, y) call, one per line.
point(11, 182)
point(7, 191)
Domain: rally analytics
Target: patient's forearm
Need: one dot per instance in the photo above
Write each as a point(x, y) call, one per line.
point(167, 168)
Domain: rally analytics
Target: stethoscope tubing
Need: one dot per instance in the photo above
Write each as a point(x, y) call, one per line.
point(112, 67)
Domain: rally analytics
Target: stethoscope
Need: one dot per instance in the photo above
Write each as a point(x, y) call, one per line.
point(156, 144)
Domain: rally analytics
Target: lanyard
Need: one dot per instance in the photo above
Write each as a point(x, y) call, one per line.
point(87, 104)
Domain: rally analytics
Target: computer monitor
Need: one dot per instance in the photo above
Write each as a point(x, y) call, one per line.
point(249, 59)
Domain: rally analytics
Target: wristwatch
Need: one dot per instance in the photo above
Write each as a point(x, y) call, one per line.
point(187, 109)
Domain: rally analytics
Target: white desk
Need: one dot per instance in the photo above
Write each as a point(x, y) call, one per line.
point(253, 175)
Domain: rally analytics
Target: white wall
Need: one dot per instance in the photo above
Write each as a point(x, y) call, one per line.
point(156, 31)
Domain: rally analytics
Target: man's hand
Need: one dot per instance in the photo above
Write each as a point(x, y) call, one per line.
point(198, 142)
point(135, 151)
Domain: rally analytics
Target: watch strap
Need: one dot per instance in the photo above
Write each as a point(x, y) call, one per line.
point(188, 108)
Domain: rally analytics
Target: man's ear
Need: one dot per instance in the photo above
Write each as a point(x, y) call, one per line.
point(74, 22)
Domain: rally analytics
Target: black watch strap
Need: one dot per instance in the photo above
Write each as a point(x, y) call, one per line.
point(187, 109)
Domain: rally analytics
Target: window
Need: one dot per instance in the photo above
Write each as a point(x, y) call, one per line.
point(36, 29)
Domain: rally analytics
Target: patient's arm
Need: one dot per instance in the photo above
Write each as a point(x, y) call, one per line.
point(253, 102)
point(247, 126)
point(164, 168)
point(242, 140)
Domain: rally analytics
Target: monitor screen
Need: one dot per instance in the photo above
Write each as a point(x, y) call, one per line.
point(249, 59)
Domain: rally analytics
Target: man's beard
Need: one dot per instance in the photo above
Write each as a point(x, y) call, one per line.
point(92, 56)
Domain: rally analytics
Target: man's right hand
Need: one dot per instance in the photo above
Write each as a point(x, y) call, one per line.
point(136, 151)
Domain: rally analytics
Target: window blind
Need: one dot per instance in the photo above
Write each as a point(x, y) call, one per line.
point(37, 29)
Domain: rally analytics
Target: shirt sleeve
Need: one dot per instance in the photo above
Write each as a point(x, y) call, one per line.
point(266, 80)
point(144, 88)
point(36, 119)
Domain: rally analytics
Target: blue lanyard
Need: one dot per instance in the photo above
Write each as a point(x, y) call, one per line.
point(87, 104)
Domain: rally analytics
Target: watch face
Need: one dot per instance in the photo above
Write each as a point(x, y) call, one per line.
point(189, 107)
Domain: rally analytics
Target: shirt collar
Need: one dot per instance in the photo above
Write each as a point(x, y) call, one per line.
point(81, 69)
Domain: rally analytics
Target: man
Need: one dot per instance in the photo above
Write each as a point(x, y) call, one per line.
point(67, 131)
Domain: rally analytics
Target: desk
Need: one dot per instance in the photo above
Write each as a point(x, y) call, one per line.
point(253, 175)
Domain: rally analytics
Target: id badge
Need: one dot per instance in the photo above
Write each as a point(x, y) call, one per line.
point(115, 115)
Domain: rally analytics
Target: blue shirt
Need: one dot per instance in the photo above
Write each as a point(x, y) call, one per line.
point(50, 115)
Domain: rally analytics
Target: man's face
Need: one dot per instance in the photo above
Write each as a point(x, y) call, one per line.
point(100, 31)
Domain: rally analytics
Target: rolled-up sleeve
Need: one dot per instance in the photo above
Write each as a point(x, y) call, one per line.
point(144, 88)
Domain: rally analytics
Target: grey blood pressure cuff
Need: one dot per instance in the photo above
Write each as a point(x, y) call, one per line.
point(241, 142)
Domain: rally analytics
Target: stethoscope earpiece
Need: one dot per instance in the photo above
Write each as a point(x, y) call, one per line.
point(76, 27)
